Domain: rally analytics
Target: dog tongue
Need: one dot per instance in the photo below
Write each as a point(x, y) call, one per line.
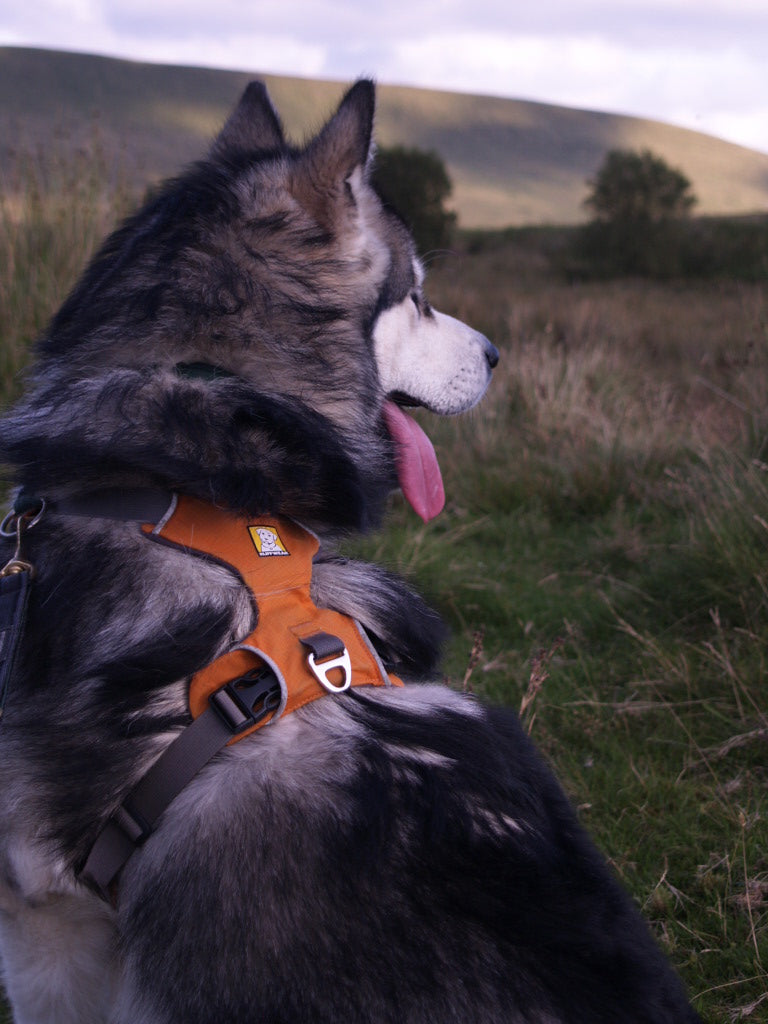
point(417, 470)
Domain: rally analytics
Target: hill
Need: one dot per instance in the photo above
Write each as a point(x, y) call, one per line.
point(512, 162)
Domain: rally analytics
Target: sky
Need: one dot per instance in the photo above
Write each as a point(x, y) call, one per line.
point(702, 64)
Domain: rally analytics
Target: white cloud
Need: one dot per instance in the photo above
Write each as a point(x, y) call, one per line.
point(683, 86)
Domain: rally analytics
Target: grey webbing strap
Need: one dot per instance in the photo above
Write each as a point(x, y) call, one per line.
point(137, 816)
point(235, 707)
point(132, 504)
point(323, 645)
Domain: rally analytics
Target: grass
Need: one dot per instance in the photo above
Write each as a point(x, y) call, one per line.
point(602, 560)
point(54, 211)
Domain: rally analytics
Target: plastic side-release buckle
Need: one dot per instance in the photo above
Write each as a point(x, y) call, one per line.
point(245, 701)
point(327, 653)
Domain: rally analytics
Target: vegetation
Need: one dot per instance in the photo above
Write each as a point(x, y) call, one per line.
point(640, 205)
point(714, 249)
point(717, 247)
point(416, 183)
point(634, 187)
point(601, 561)
point(54, 211)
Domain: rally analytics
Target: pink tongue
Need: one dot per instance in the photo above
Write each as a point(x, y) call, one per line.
point(417, 468)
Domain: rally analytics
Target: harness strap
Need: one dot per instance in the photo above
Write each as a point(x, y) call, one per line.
point(130, 504)
point(237, 706)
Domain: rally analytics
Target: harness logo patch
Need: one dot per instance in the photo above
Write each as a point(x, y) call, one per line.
point(267, 541)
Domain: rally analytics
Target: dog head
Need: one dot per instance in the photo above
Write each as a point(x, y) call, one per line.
point(279, 270)
point(421, 357)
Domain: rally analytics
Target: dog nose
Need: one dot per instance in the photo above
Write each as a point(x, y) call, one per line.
point(491, 353)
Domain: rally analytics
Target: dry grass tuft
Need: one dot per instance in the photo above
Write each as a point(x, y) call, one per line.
point(540, 662)
point(53, 215)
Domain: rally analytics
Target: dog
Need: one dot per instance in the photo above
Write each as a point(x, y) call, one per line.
point(244, 348)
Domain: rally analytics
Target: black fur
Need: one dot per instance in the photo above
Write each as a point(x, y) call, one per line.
point(401, 856)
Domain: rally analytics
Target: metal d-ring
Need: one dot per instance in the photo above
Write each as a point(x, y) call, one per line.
point(321, 671)
point(14, 520)
point(8, 525)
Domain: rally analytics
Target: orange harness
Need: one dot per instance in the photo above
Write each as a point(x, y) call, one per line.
point(296, 653)
point(312, 651)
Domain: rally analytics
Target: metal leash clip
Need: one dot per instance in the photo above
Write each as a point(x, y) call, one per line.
point(16, 525)
point(15, 582)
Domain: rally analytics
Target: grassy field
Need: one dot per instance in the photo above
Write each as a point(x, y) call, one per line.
point(602, 560)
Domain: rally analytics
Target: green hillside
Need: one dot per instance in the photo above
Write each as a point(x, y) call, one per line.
point(512, 162)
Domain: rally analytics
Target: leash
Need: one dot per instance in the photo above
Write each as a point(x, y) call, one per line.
point(15, 579)
point(296, 654)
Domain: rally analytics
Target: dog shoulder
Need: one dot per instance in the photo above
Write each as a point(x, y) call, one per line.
point(408, 634)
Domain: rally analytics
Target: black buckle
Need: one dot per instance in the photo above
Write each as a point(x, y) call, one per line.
point(245, 701)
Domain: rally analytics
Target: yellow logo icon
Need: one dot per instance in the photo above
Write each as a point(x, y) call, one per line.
point(267, 541)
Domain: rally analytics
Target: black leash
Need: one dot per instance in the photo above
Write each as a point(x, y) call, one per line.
point(127, 504)
point(15, 579)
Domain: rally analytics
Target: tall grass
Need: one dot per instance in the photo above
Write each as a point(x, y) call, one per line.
point(53, 213)
point(602, 561)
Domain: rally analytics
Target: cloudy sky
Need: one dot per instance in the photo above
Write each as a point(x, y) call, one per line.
point(698, 63)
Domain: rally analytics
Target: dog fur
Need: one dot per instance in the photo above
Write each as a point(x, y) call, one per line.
point(402, 855)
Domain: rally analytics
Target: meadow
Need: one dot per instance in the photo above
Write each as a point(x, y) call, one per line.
point(602, 559)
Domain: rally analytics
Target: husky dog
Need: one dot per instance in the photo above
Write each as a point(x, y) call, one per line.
point(388, 854)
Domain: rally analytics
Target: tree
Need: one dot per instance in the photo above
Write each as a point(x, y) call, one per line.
point(640, 205)
point(632, 187)
point(415, 182)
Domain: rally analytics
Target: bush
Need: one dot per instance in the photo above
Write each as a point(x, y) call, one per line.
point(640, 206)
point(635, 187)
point(734, 249)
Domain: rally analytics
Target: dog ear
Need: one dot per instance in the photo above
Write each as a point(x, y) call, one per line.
point(323, 172)
point(253, 124)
